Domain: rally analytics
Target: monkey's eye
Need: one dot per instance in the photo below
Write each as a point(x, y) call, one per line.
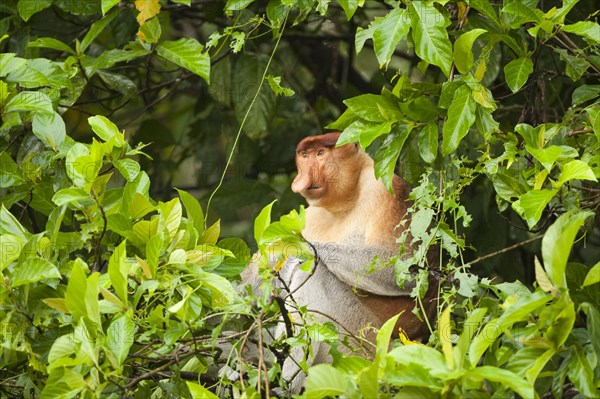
point(304, 154)
point(320, 152)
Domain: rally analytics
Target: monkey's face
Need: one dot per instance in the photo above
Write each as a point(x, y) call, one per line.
point(321, 168)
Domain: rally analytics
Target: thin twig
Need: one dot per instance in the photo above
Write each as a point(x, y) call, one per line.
point(507, 249)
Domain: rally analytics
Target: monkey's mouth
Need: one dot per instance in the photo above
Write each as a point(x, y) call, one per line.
point(314, 187)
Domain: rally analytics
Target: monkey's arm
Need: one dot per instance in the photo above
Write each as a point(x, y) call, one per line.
point(350, 263)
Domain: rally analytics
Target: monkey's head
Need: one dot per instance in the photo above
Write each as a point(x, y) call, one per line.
point(326, 174)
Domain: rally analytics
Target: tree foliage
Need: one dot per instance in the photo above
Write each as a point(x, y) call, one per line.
point(115, 285)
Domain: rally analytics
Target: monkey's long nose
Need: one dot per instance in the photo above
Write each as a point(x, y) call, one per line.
point(302, 182)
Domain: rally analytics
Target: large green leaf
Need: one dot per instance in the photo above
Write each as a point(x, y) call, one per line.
point(517, 72)
point(106, 130)
point(518, 311)
point(504, 377)
point(364, 132)
point(29, 101)
point(193, 210)
point(82, 294)
point(387, 33)
point(27, 8)
point(258, 118)
point(324, 380)
point(581, 373)
point(118, 270)
point(461, 116)
point(262, 221)
point(96, 28)
point(373, 108)
point(387, 156)
point(557, 243)
point(531, 205)
point(546, 156)
point(576, 170)
point(10, 174)
point(587, 29)
point(430, 35)
point(49, 128)
point(428, 142)
point(187, 53)
point(585, 93)
point(34, 269)
point(349, 7)
point(51, 43)
point(119, 338)
point(198, 391)
point(463, 56)
point(9, 224)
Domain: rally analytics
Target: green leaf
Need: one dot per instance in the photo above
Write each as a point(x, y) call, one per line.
point(9, 224)
point(517, 72)
point(486, 9)
point(349, 7)
point(119, 338)
point(118, 270)
point(469, 328)
point(237, 5)
point(461, 116)
point(153, 248)
point(364, 132)
point(518, 311)
point(424, 356)
point(49, 128)
point(428, 142)
point(151, 31)
point(70, 195)
point(521, 13)
point(211, 234)
point(546, 156)
point(111, 57)
point(324, 380)
point(532, 204)
point(10, 249)
point(170, 217)
point(10, 174)
point(557, 243)
point(463, 56)
point(445, 335)
point(581, 374)
point(199, 392)
point(592, 277)
point(108, 4)
point(585, 93)
point(430, 35)
point(587, 29)
point(82, 294)
point(387, 33)
point(96, 28)
point(106, 130)
point(128, 168)
point(373, 108)
point(27, 101)
point(51, 43)
point(275, 84)
point(262, 221)
point(27, 8)
point(576, 170)
point(387, 155)
point(34, 269)
point(186, 53)
point(504, 377)
point(193, 210)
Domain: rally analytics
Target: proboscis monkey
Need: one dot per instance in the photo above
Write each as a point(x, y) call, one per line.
point(351, 219)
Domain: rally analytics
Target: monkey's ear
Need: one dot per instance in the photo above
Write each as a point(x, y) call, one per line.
point(356, 147)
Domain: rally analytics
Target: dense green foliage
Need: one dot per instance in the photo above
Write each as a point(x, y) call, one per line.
point(116, 285)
